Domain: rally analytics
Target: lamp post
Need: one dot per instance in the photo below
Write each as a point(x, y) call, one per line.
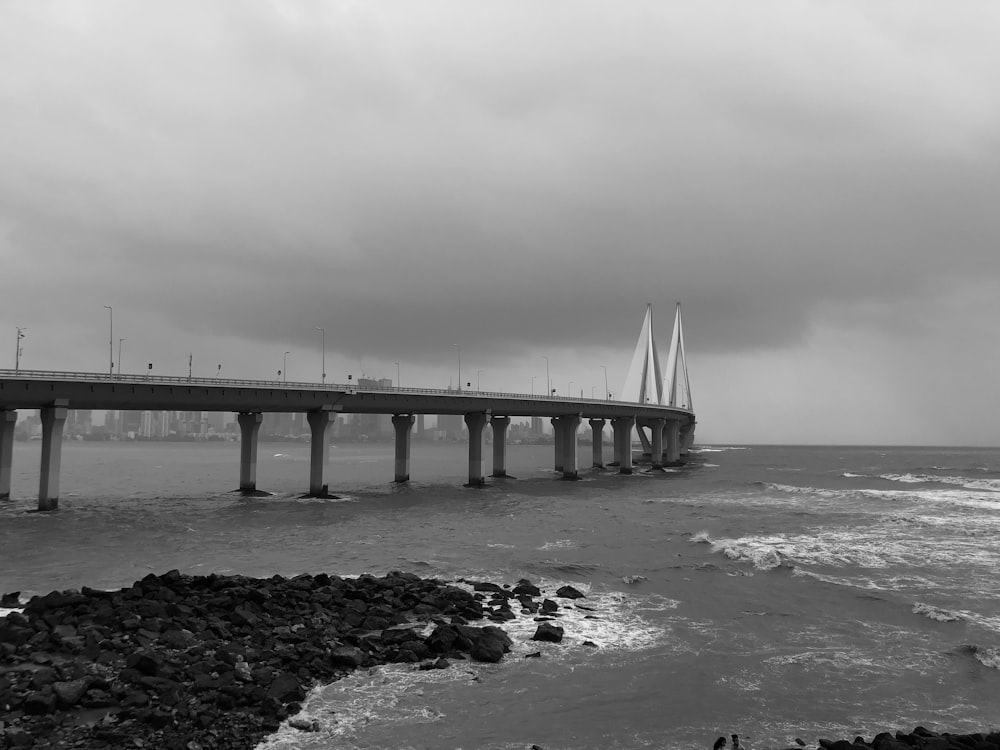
point(397, 375)
point(457, 346)
point(323, 331)
point(17, 352)
point(607, 393)
point(569, 390)
point(111, 339)
point(284, 368)
point(533, 384)
point(548, 380)
point(120, 342)
point(478, 373)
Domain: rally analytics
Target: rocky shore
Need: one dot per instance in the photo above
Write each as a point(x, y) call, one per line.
point(184, 662)
point(196, 662)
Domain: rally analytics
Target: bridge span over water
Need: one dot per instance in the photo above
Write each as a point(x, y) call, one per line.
point(661, 413)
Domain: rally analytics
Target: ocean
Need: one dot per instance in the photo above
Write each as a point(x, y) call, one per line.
point(771, 591)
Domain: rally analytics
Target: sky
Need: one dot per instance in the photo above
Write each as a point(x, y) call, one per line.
point(509, 183)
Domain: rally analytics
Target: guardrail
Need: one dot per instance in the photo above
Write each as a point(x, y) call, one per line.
point(243, 383)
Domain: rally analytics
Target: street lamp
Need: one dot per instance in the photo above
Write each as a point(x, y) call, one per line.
point(120, 342)
point(459, 365)
point(569, 389)
point(533, 384)
point(284, 363)
point(397, 375)
point(607, 393)
point(323, 331)
point(17, 352)
point(111, 339)
point(478, 373)
point(548, 380)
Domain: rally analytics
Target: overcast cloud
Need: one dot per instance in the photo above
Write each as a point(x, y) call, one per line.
point(817, 183)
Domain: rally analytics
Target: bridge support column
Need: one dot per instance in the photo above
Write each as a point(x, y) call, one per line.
point(319, 450)
point(687, 438)
point(597, 439)
point(623, 427)
point(249, 422)
point(8, 418)
point(672, 431)
point(475, 422)
point(403, 424)
point(53, 421)
point(557, 440)
point(656, 452)
point(499, 425)
point(567, 427)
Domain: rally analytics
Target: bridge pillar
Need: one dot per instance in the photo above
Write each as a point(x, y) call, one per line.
point(499, 425)
point(597, 439)
point(8, 418)
point(475, 422)
point(557, 440)
point(687, 438)
point(319, 450)
point(53, 421)
point(403, 423)
point(656, 452)
point(623, 427)
point(566, 428)
point(249, 422)
point(673, 442)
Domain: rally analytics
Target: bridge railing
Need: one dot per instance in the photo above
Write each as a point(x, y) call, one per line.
point(216, 382)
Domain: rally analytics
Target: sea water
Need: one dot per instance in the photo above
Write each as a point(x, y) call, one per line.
point(774, 592)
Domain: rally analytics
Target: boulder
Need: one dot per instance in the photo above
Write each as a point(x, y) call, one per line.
point(568, 592)
point(546, 631)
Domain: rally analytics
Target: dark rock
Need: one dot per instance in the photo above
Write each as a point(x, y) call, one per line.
point(347, 656)
point(11, 599)
point(546, 631)
point(568, 592)
point(286, 688)
point(69, 693)
point(526, 588)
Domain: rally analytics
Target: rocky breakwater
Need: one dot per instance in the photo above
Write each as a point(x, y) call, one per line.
point(189, 662)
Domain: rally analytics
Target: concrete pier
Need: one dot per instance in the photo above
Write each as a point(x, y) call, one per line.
point(499, 425)
point(53, 421)
point(672, 431)
point(475, 422)
point(403, 424)
point(656, 443)
point(566, 428)
point(687, 438)
point(623, 427)
point(597, 440)
point(319, 451)
point(557, 440)
point(249, 422)
point(8, 418)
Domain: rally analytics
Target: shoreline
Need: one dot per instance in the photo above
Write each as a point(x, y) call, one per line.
point(220, 661)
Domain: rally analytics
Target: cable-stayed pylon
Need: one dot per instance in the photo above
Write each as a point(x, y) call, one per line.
point(644, 381)
point(677, 390)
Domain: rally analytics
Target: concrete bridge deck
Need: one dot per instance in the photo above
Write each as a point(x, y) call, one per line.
point(671, 429)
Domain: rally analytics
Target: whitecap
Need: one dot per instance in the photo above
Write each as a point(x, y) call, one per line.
point(558, 544)
point(936, 613)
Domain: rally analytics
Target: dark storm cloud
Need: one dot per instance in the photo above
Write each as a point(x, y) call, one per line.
point(414, 172)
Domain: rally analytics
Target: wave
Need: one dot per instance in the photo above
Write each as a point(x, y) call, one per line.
point(988, 657)
point(936, 613)
point(762, 557)
point(987, 485)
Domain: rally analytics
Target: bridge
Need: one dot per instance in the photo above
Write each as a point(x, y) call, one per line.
point(659, 410)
